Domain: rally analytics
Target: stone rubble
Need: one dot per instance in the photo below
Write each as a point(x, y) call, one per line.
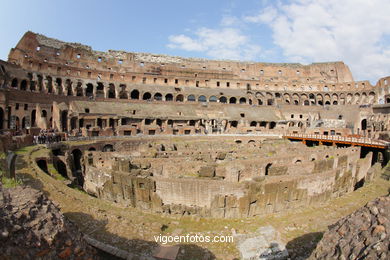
point(362, 235)
point(32, 227)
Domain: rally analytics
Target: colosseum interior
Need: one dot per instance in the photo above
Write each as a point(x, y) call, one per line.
point(184, 137)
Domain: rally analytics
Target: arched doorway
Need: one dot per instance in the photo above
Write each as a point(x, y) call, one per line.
point(364, 124)
point(17, 123)
point(147, 96)
point(78, 173)
point(24, 123)
point(111, 91)
point(33, 118)
point(14, 83)
point(89, 90)
point(168, 97)
point(61, 168)
point(134, 94)
point(23, 85)
point(223, 100)
point(108, 148)
point(267, 168)
point(100, 90)
point(64, 120)
point(73, 123)
point(179, 98)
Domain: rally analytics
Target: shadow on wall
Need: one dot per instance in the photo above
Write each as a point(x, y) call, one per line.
point(302, 247)
point(136, 247)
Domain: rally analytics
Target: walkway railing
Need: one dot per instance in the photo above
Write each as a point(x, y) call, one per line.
point(337, 138)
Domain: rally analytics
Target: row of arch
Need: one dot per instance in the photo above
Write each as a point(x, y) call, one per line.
point(99, 90)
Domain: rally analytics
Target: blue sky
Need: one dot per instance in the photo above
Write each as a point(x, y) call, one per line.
point(356, 31)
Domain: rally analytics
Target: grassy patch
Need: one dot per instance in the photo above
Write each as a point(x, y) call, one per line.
point(54, 173)
point(10, 182)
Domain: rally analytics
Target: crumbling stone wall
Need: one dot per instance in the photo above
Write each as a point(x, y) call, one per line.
point(230, 179)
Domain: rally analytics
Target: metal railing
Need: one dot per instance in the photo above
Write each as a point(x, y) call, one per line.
point(355, 140)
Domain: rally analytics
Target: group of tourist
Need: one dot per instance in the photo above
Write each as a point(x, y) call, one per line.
point(47, 136)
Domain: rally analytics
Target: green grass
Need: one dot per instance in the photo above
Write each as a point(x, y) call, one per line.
point(54, 173)
point(10, 183)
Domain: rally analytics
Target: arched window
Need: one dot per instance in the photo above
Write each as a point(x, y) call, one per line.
point(202, 99)
point(179, 98)
point(267, 168)
point(14, 83)
point(79, 89)
point(134, 94)
point(108, 148)
point(168, 97)
point(59, 86)
point(69, 91)
point(100, 90)
point(242, 100)
point(64, 120)
point(191, 98)
point(43, 113)
point(158, 96)
point(24, 123)
point(111, 91)
point(123, 94)
point(253, 124)
point(364, 124)
point(49, 84)
point(213, 99)
point(33, 118)
point(232, 100)
point(146, 96)
point(223, 100)
point(89, 90)
point(32, 83)
point(23, 85)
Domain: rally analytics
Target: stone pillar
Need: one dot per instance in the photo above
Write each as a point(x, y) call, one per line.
point(94, 90)
point(84, 88)
point(105, 90)
point(45, 84)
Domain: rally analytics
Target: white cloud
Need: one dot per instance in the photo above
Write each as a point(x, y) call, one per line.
point(328, 30)
point(265, 16)
point(221, 43)
point(229, 21)
point(184, 42)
